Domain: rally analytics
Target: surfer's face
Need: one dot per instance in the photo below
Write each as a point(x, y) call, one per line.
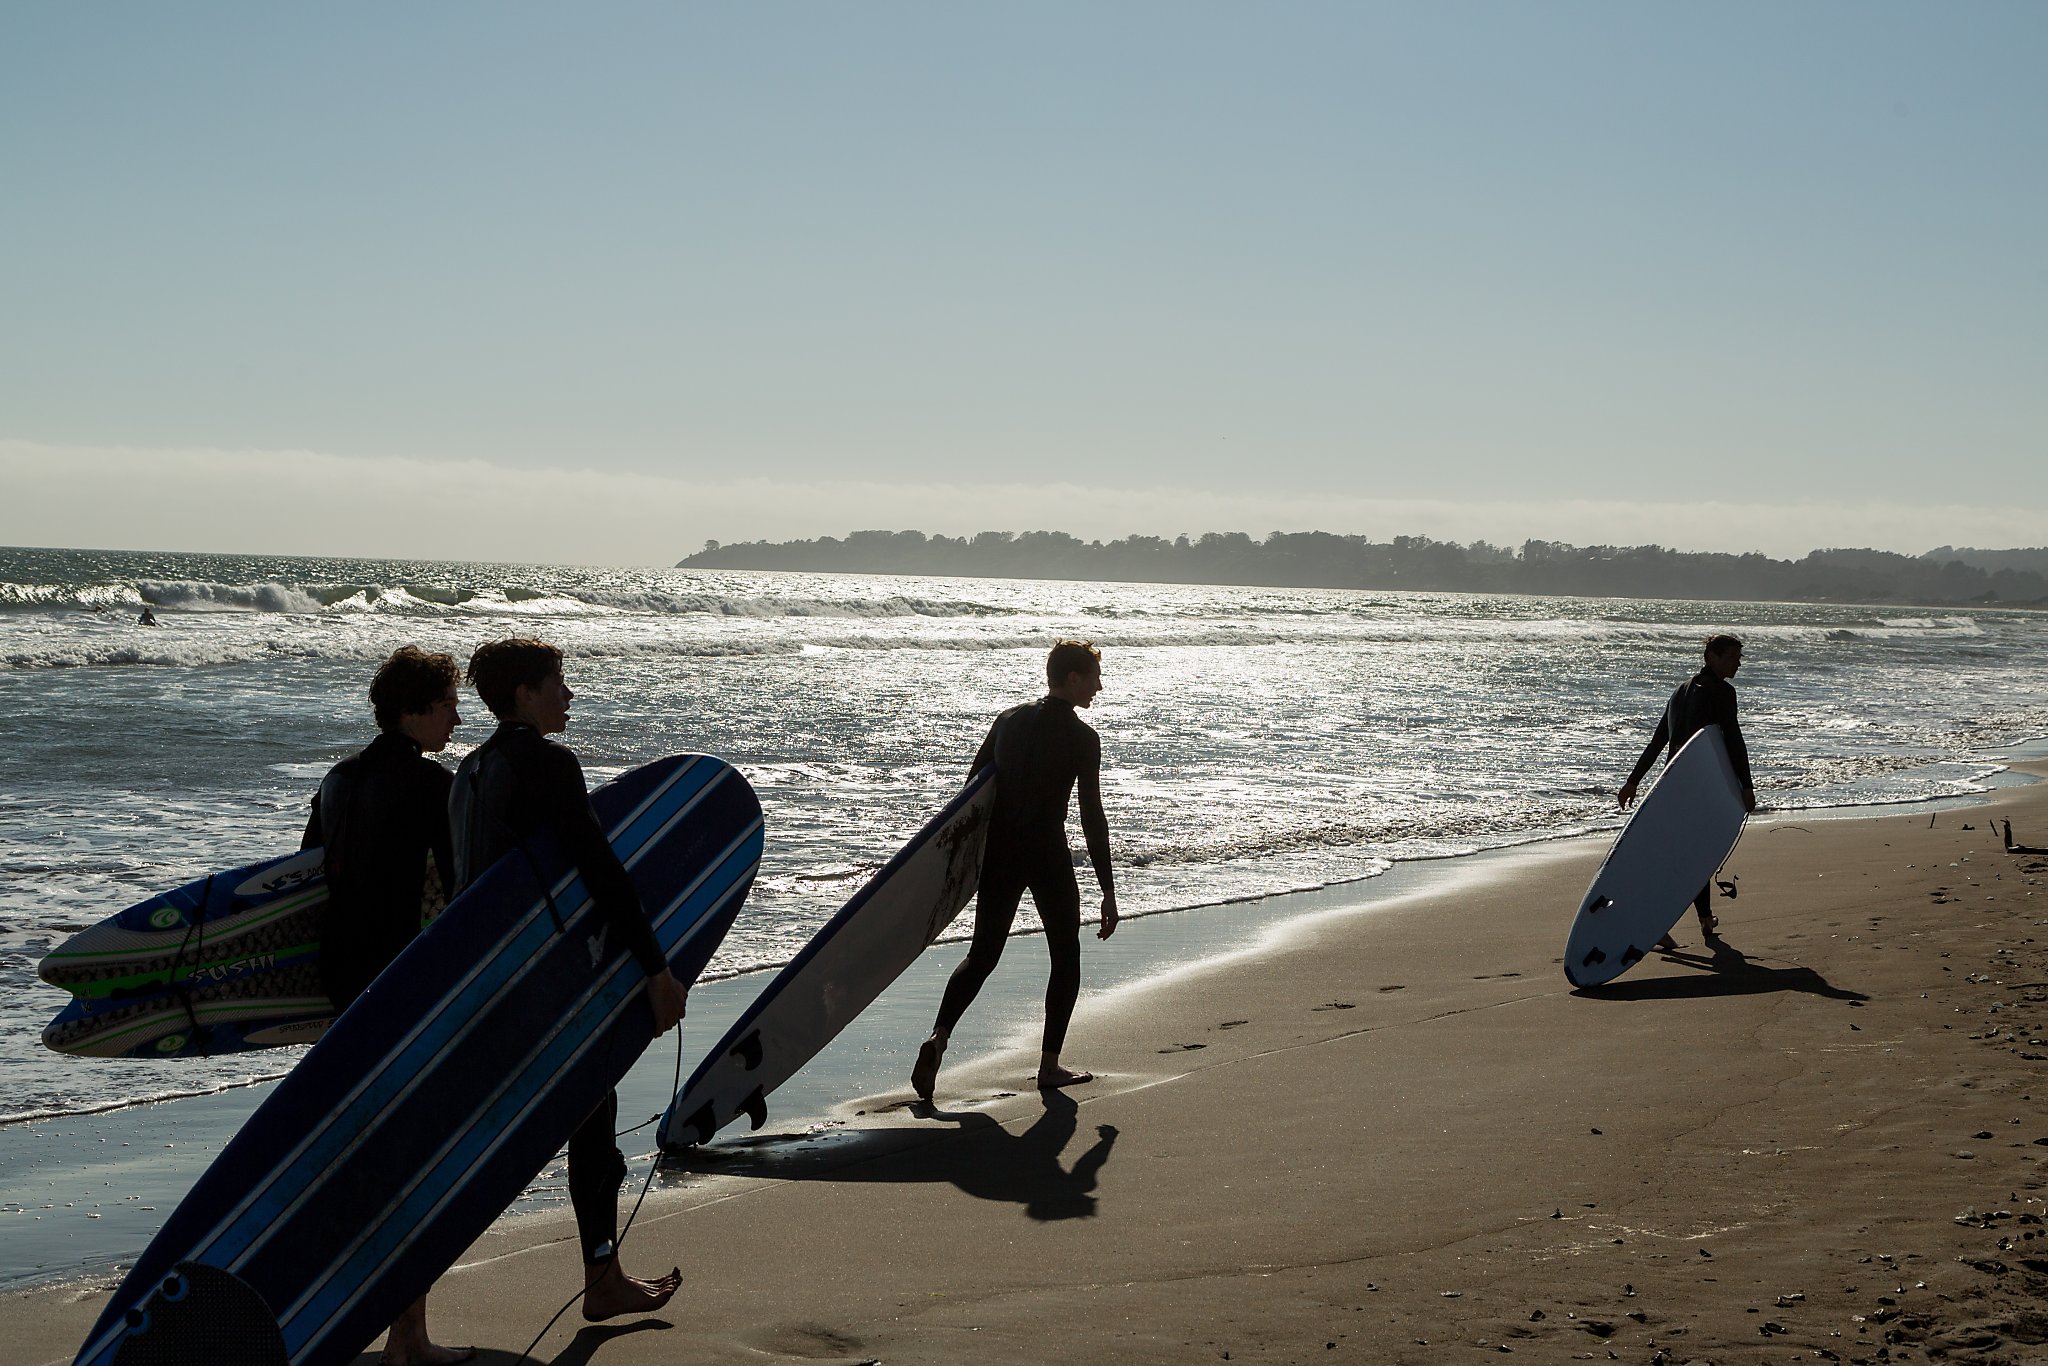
point(1080, 688)
point(1726, 662)
point(431, 729)
point(545, 705)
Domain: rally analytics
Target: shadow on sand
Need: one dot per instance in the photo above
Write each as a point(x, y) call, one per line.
point(582, 1348)
point(980, 1156)
point(1727, 973)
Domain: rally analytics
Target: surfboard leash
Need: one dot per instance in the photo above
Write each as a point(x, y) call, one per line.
point(179, 990)
point(618, 1243)
point(1727, 888)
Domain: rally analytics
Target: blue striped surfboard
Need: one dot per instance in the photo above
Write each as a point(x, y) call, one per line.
point(432, 1102)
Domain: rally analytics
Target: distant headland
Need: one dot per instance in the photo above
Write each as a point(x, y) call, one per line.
point(1314, 559)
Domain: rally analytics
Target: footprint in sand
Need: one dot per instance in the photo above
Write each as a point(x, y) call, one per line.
point(1399, 986)
point(1183, 1048)
point(1335, 1005)
point(1232, 1024)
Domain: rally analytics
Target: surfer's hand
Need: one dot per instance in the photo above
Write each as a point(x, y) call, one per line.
point(1749, 799)
point(667, 995)
point(1626, 795)
point(1109, 916)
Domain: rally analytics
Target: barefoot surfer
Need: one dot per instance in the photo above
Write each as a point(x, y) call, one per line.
point(382, 816)
point(513, 785)
point(1042, 751)
point(1707, 699)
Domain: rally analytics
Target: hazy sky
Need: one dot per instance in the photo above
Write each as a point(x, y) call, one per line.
point(595, 282)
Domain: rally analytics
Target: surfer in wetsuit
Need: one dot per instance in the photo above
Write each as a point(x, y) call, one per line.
point(1707, 699)
point(1042, 752)
point(514, 785)
point(382, 816)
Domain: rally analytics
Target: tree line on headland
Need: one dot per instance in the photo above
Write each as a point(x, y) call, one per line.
point(1316, 559)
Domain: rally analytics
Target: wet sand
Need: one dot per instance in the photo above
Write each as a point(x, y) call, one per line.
point(1395, 1134)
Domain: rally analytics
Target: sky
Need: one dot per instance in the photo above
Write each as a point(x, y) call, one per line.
point(597, 283)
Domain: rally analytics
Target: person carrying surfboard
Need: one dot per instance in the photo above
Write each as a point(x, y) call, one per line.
point(1707, 699)
point(1043, 752)
point(514, 785)
point(382, 817)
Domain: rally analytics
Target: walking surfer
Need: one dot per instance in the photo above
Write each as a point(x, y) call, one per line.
point(1707, 699)
point(382, 817)
point(512, 786)
point(1043, 752)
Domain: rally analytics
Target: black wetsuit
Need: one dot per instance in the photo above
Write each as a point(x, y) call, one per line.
point(1042, 751)
point(1706, 699)
point(511, 786)
point(382, 816)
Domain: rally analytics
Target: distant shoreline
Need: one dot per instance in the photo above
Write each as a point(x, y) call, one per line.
point(1945, 577)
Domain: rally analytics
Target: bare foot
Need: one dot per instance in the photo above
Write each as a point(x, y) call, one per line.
point(1708, 925)
point(1053, 1079)
point(609, 1292)
point(407, 1344)
point(924, 1077)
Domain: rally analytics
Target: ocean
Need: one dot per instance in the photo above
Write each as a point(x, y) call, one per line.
point(1255, 740)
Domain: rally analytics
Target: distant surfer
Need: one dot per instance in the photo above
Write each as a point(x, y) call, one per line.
point(382, 816)
point(1707, 699)
point(1042, 751)
point(513, 786)
point(148, 617)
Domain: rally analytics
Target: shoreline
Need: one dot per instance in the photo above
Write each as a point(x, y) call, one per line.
point(85, 1241)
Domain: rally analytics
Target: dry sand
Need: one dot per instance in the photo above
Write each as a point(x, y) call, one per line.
point(1397, 1135)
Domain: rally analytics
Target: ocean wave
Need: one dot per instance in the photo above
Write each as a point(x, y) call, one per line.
point(187, 595)
point(171, 648)
point(56, 1108)
point(1966, 625)
point(282, 597)
point(149, 649)
point(69, 597)
point(668, 602)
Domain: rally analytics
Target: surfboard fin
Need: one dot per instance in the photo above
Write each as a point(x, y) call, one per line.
point(1599, 905)
point(1592, 959)
point(755, 1108)
point(1632, 957)
point(701, 1126)
point(748, 1051)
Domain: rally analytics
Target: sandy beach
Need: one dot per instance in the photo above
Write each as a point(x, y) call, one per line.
point(1395, 1134)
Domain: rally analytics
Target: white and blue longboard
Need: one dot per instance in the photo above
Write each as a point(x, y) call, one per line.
point(1671, 847)
point(848, 963)
point(446, 1086)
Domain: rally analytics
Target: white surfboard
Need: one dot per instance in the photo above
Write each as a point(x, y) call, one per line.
point(847, 964)
point(1674, 843)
